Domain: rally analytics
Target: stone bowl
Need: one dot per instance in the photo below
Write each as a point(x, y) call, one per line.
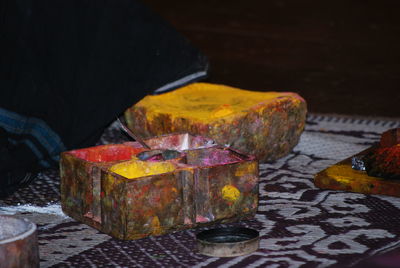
point(18, 243)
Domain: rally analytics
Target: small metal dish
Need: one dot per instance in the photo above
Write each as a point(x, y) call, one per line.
point(18, 243)
point(228, 242)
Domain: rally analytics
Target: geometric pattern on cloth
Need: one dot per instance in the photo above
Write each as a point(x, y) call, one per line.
point(299, 224)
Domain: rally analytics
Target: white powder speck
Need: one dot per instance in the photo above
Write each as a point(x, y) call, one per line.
point(53, 209)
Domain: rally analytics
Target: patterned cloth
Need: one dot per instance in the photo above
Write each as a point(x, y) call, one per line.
point(299, 224)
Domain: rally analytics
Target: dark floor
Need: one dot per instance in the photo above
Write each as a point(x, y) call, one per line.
point(342, 56)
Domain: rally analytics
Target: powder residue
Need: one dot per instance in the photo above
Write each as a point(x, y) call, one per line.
point(137, 169)
point(222, 110)
point(12, 227)
point(230, 193)
point(53, 209)
point(212, 157)
point(207, 102)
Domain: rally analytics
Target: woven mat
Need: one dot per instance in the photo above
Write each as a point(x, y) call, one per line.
point(299, 224)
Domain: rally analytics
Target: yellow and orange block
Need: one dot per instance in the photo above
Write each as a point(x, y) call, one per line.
point(265, 124)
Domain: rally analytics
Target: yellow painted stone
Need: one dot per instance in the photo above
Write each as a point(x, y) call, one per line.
point(206, 102)
point(265, 124)
point(345, 174)
point(137, 169)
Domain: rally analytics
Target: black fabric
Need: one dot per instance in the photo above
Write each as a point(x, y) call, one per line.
point(18, 165)
point(77, 64)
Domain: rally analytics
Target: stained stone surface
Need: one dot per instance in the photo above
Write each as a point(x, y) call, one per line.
point(265, 124)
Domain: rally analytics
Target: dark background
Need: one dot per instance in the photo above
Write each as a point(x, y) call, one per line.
point(342, 56)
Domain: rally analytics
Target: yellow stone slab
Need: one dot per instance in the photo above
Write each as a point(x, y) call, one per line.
point(265, 124)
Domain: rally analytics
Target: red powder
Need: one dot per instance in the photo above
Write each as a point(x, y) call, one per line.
point(107, 153)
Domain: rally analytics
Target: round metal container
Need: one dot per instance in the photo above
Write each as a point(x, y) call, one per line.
point(18, 243)
point(228, 242)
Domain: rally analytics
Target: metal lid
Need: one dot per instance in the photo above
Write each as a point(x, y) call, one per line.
point(228, 242)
